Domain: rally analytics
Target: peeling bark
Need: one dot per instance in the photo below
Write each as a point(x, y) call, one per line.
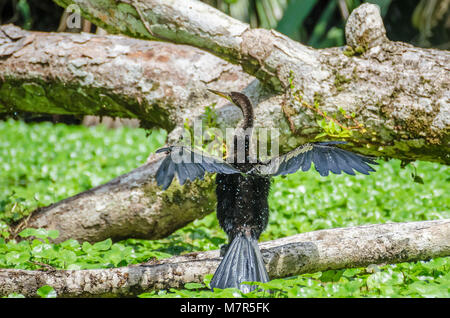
point(303, 253)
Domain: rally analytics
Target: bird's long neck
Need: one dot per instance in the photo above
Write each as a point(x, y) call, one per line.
point(244, 130)
point(247, 112)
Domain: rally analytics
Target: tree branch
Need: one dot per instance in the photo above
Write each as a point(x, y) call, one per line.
point(399, 92)
point(87, 74)
point(128, 206)
point(303, 253)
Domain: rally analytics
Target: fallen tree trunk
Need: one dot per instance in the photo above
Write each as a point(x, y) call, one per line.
point(303, 253)
point(109, 75)
point(128, 206)
point(399, 92)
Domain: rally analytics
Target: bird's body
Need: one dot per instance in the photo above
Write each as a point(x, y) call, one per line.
point(242, 206)
point(242, 190)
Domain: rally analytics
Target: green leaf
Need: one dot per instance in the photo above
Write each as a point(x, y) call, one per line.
point(147, 295)
point(44, 250)
point(194, 286)
point(331, 275)
point(17, 257)
point(430, 290)
point(87, 248)
point(322, 123)
point(321, 135)
point(74, 267)
point(67, 256)
point(46, 292)
point(39, 233)
point(71, 244)
point(15, 295)
point(103, 245)
point(25, 11)
point(321, 25)
point(53, 234)
point(294, 15)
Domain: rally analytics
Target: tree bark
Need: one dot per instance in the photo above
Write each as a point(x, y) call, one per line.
point(128, 206)
point(399, 92)
point(303, 253)
point(87, 74)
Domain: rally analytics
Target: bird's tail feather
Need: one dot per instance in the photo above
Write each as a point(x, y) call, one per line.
point(242, 262)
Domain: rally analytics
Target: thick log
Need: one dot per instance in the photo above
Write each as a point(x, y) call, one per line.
point(128, 206)
point(399, 92)
point(109, 75)
point(303, 253)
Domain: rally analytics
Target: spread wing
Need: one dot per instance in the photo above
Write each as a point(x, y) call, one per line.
point(326, 157)
point(188, 164)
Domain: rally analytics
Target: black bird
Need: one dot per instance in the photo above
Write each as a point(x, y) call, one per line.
point(242, 190)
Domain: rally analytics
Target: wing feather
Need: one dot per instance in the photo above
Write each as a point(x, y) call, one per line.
point(307, 161)
point(332, 162)
point(165, 173)
point(356, 162)
point(188, 165)
point(342, 163)
point(326, 156)
point(320, 162)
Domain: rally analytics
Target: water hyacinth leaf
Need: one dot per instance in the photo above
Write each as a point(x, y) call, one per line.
point(67, 256)
point(103, 245)
point(194, 286)
point(71, 244)
point(46, 292)
point(331, 275)
point(15, 295)
point(17, 257)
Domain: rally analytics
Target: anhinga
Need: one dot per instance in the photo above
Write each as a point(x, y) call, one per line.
point(242, 190)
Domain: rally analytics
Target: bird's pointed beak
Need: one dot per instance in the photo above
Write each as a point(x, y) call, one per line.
point(221, 94)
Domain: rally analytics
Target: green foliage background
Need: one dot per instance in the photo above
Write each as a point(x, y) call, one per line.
point(320, 23)
point(43, 163)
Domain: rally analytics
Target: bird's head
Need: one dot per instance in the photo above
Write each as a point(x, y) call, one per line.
point(236, 98)
point(242, 102)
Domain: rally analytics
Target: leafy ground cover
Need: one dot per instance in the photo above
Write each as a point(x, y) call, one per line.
point(43, 163)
